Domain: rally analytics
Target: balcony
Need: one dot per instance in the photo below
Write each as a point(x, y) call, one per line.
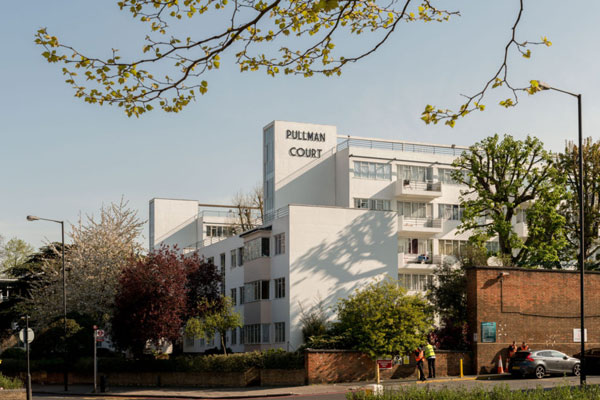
point(407, 258)
point(408, 189)
point(420, 227)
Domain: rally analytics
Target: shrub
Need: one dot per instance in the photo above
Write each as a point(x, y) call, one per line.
point(10, 383)
point(16, 353)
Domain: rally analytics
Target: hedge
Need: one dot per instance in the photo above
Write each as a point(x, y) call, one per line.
point(10, 383)
point(497, 393)
point(237, 362)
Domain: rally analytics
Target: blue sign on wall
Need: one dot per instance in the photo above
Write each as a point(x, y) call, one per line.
point(488, 332)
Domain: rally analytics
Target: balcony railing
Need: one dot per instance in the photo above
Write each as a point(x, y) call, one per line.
point(400, 146)
point(421, 222)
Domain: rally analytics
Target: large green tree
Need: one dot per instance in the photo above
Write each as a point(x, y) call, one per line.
point(296, 37)
point(569, 167)
point(506, 176)
point(381, 319)
point(220, 317)
point(14, 253)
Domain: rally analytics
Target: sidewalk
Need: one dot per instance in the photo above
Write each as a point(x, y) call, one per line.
point(227, 393)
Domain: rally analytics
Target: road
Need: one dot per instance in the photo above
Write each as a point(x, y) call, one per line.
point(338, 392)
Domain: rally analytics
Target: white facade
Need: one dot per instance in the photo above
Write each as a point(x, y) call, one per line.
point(339, 212)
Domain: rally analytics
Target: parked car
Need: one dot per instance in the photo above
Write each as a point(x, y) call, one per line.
point(540, 363)
point(592, 360)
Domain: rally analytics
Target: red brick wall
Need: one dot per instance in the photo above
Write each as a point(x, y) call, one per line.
point(540, 307)
point(330, 366)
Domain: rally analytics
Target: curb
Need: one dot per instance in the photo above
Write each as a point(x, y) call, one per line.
point(160, 396)
point(494, 377)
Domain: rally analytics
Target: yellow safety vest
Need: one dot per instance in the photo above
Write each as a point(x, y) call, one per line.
point(429, 351)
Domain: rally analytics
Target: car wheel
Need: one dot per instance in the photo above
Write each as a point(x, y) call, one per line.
point(577, 369)
point(540, 371)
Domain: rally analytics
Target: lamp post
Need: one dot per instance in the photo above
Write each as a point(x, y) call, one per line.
point(64, 276)
point(545, 86)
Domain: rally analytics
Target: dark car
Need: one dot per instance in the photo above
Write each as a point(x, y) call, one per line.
point(540, 363)
point(592, 360)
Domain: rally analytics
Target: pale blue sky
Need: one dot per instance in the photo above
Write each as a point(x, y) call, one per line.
point(60, 156)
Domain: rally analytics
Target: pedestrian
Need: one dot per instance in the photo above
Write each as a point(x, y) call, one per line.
point(524, 347)
point(430, 356)
point(512, 349)
point(419, 358)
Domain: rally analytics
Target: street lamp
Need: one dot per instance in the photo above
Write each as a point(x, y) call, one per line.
point(545, 86)
point(64, 276)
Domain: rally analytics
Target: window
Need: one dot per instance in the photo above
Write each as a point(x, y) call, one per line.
point(415, 173)
point(279, 288)
point(234, 296)
point(372, 204)
point(240, 256)
point(223, 261)
point(416, 282)
point(521, 216)
point(280, 243)
point(452, 247)
point(369, 170)
point(445, 176)
point(450, 211)
point(234, 336)
point(266, 333)
point(210, 260)
point(255, 291)
point(202, 342)
point(218, 231)
point(493, 246)
point(256, 248)
point(415, 246)
point(279, 332)
point(415, 210)
point(242, 295)
point(251, 334)
point(189, 341)
point(233, 258)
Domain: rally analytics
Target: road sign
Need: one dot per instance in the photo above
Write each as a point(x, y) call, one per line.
point(99, 335)
point(384, 364)
point(30, 335)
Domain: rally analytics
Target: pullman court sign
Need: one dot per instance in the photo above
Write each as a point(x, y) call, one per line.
point(307, 136)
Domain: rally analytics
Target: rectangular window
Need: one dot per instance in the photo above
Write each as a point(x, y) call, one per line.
point(279, 332)
point(234, 336)
point(210, 260)
point(256, 291)
point(493, 246)
point(189, 341)
point(415, 210)
point(452, 212)
point(234, 296)
point(242, 295)
point(415, 246)
point(233, 258)
point(240, 256)
point(280, 244)
point(279, 288)
point(415, 282)
point(256, 248)
point(414, 173)
point(266, 333)
point(223, 258)
point(372, 204)
point(452, 247)
point(370, 170)
point(251, 334)
point(218, 231)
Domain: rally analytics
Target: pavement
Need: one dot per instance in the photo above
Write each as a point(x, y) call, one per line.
point(229, 393)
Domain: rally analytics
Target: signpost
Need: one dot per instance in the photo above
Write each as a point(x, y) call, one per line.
point(98, 337)
point(26, 335)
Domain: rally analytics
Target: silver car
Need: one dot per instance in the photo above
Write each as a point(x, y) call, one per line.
point(543, 362)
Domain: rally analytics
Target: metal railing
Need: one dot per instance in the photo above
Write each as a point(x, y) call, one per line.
point(401, 146)
point(421, 222)
point(418, 185)
point(279, 213)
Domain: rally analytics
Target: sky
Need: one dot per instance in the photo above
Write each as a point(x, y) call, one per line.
point(61, 158)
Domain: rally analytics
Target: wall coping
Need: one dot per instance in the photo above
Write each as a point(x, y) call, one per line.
point(561, 271)
point(331, 351)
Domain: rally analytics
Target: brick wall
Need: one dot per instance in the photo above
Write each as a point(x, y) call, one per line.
point(330, 366)
point(540, 307)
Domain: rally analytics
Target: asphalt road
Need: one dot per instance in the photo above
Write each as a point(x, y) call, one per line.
point(328, 396)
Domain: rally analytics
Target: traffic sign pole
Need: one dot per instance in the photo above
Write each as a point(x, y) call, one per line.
point(27, 349)
point(95, 359)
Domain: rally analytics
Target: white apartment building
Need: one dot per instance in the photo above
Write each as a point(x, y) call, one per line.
point(340, 211)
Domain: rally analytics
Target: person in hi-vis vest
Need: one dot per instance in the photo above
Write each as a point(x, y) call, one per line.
point(419, 359)
point(430, 356)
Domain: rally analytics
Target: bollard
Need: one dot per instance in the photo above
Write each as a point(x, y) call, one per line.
point(102, 383)
point(461, 368)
